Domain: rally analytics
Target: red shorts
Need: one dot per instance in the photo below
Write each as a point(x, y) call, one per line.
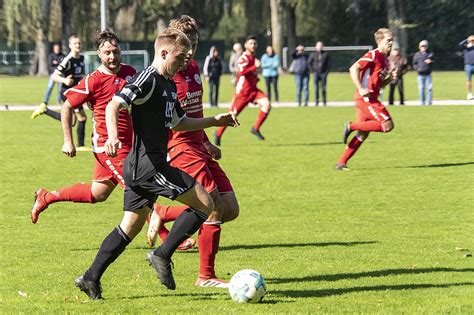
point(110, 168)
point(241, 100)
point(196, 161)
point(371, 110)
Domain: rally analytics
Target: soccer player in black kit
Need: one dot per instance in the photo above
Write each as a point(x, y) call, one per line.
point(151, 95)
point(69, 72)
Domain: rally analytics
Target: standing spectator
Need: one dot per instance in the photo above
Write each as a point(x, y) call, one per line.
point(234, 60)
point(468, 46)
point(214, 71)
point(206, 62)
point(54, 59)
point(270, 64)
point(301, 72)
point(319, 64)
point(423, 63)
point(399, 64)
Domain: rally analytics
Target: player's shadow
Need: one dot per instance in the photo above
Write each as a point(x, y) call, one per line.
point(372, 274)
point(440, 165)
point(310, 144)
point(341, 291)
point(250, 246)
point(290, 245)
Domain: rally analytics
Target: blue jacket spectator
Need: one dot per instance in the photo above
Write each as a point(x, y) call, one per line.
point(467, 46)
point(423, 63)
point(300, 68)
point(270, 64)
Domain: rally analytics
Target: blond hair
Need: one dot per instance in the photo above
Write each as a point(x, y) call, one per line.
point(172, 37)
point(187, 25)
point(380, 34)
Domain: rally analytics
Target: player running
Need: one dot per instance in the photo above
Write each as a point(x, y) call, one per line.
point(69, 72)
point(97, 88)
point(152, 96)
point(191, 152)
point(246, 90)
point(369, 74)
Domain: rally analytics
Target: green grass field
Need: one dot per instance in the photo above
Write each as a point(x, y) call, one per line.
point(446, 86)
point(392, 236)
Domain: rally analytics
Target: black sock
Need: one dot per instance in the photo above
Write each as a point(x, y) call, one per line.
point(81, 130)
point(184, 226)
point(112, 246)
point(52, 114)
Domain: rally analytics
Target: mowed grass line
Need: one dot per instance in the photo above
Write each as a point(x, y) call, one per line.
point(446, 86)
point(381, 238)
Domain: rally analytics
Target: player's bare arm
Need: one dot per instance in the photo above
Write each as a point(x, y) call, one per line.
point(190, 124)
point(57, 77)
point(111, 120)
point(355, 77)
point(214, 151)
point(68, 148)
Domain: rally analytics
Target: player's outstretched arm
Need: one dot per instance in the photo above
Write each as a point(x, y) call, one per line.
point(111, 119)
point(66, 122)
point(190, 124)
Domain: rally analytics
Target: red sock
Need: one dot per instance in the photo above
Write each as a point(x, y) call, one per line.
point(79, 192)
point(208, 240)
point(371, 125)
point(167, 214)
point(350, 150)
point(262, 116)
point(220, 131)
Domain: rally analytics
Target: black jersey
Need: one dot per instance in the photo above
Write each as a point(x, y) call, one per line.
point(71, 66)
point(155, 109)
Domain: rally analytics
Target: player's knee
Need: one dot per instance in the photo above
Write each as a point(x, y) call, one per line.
point(231, 213)
point(388, 126)
point(100, 197)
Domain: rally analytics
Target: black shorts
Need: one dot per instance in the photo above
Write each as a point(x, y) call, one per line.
point(170, 182)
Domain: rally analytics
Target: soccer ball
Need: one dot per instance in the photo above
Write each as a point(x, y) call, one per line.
point(247, 286)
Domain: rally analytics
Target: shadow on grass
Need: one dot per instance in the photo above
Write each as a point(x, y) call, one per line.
point(440, 165)
point(331, 292)
point(375, 273)
point(190, 296)
point(249, 246)
point(303, 144)
point(289, 245)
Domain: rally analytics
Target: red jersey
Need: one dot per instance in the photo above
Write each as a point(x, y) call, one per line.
point(98, 88)
point(373, 67)
point(189, 86)
point(247, 74)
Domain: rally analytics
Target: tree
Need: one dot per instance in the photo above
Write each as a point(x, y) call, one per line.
point(276, 27)
point(42, 43)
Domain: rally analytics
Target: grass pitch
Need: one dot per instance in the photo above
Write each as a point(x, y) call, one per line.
point(393, 235)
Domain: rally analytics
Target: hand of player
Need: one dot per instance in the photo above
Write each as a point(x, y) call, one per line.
point(363, 92)
point(68, 80)
point(69, 149)
point(214, 151)
point(258, 63)
point(226, 119)
point(111, 146)
point(394, 74)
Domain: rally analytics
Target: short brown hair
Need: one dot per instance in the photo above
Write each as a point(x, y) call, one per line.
point(172, 37)
point(380, 34)
point(187, 25)
point(72, 37)
point(106, 36)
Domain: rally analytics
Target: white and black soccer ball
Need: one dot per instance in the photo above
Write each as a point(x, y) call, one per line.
point(247, 286)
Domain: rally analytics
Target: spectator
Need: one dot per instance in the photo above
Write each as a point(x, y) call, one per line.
point(423, 64)
point(270, 64)
point(206, 62)
point(398, 63)
point(54, 58)
point(214, 71)
point(301, 72)
point(468, 47)
point(234, 58)
point(319, 64)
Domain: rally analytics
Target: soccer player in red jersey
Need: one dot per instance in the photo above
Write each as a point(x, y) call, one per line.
point(369, 74)
point(246, 90)
point(191, 152)
point(97, 89)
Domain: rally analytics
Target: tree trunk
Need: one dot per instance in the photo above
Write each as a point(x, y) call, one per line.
point(396, 16)
point(42, 43)
point(276, 26)
point(402, 11)
point(291, 18)
point(66, 22)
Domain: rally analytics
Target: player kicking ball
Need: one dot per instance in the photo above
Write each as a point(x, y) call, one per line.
point(152, 97)
point(191, 152)
point(246, 90)
point(369, 74)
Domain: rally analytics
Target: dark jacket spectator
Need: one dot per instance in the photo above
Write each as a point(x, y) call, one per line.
point(213, 73)
point(319, 65)
point(419, 63)
point(300, 62)
point(301, 71)
point(423, 64)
